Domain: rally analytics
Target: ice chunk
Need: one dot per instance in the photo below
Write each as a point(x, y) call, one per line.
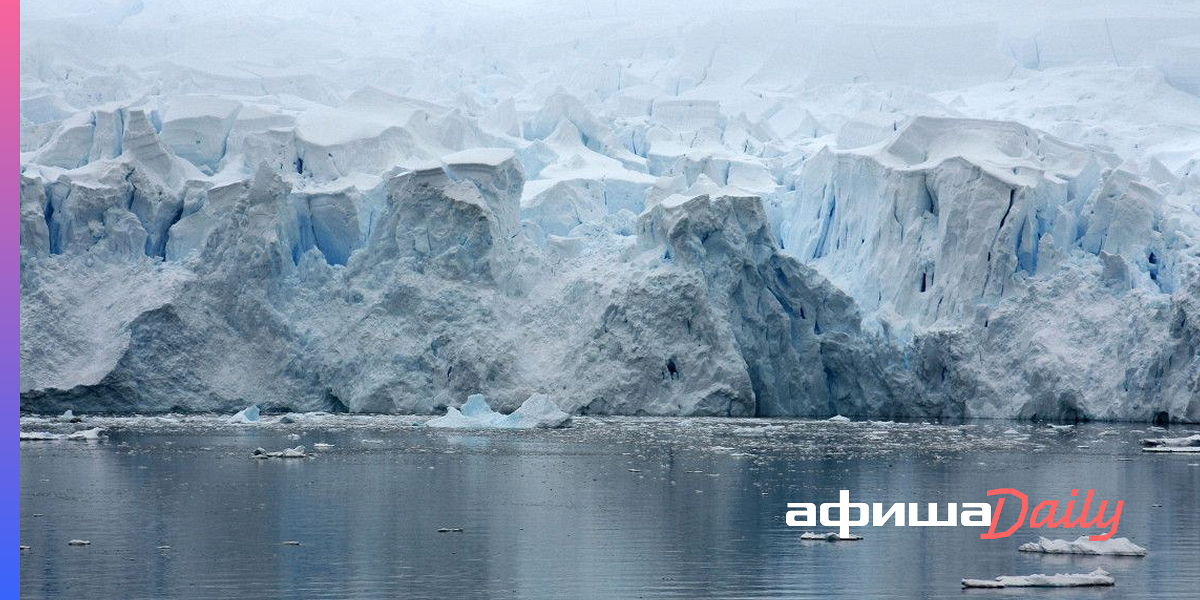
point(39, 436)
point(297, 452)
point(69, 417)
point(454, 419)
point(79, 543)
point(476, 407)
point(1180, 442)
point(246, 415)
point(1185, 449)
point(86, 434)
point(1082, 545)
point(831, 536)
point(1095, 578)
point(538, 411)
point(838, 419)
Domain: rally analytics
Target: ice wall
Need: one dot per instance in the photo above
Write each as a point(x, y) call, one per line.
point(635, 208)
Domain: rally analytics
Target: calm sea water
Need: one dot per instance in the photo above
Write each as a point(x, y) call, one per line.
point(609, 508)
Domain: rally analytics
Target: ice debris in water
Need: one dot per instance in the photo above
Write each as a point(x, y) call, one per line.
point(297, 452)
point(1082, 545)
point(538, 411)
point(246, 415)
point(79, 543)
point(1095, 578)
point(831, 536)
point(839, 419)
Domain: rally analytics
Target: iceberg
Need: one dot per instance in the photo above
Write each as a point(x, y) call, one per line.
point(1099, 577)
point(538, 411)
point(1082, 545)
point(250, 414)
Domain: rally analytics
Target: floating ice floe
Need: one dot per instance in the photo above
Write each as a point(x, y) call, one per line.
point(1191, 441)
point(322, 446)
point(1095, 578)
point(831, 536)
point(45, 436)
point(538, 411)
point(838, 419)
point(79, 543)
point(1082, 545)
point(297, 452)
point(249, 414)
point(39, 436)
point(1182, 449)
point(86, 434)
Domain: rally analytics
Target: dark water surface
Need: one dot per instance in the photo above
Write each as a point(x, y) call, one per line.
point(612, 508)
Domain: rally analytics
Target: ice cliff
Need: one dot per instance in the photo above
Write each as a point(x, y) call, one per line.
point(705, 227)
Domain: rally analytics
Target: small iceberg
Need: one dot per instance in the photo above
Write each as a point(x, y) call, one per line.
point(86, 434)
point(838, 419)
point(832, 536)
point(1082, 545)
point(1095, 578)
point(69, 417)
point(297, 452)
point(538, 411)
point(79, 543)
point(249, 414)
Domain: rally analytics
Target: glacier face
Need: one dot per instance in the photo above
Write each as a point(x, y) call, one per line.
point(699, 225)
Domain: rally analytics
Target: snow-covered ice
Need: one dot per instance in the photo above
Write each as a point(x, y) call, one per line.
point(1082, 545)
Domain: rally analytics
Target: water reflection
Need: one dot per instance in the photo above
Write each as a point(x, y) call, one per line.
point(609, 510)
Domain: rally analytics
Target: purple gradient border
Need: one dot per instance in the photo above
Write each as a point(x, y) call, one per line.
point(10, 327)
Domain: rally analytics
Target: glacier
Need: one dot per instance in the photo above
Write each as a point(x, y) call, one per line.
point(612, 214)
